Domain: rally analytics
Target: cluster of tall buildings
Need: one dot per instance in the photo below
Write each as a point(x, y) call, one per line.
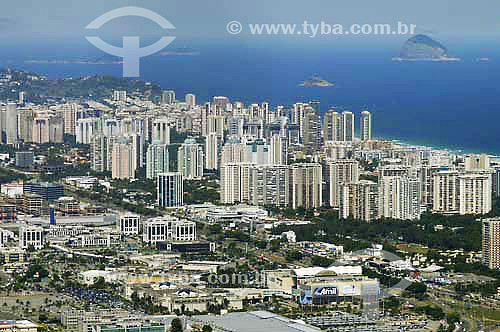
point(404, 192)
point(341, 126)
point(297, 185)
point(291, 157)
point(31, 124)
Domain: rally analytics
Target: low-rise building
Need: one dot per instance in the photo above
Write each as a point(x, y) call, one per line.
point(169, 228)
point(18, 326)
point(129, 224)
point(31, 236)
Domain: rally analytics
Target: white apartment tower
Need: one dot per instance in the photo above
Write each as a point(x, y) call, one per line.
point(332, 127)
point(359, 200)
point(347, 126)
point(278, 150)
point(341, 171)
point(234, 182)
point(477, 162)
point(25, 125)
point(190, 100)
point(212, 149)
point(399, 198)
point(491, 242)
point(85, 129)
point(69, 115)
point(306, 185)
point(215, 124)
point(157, 160)
point(123, 160)
point(11, 123)
point(269, 185)
point(475, 193)
point(168, 97)
point(161, 131)
point(366, 126)
point(190, 160)
point(446, 192)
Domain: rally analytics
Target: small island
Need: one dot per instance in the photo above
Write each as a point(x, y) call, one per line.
point(103, 60)
point(315, 80)
point(183, 51)
point(483, 59)
point(424, 48)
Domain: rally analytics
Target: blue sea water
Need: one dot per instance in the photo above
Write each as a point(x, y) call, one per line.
point(446, 104)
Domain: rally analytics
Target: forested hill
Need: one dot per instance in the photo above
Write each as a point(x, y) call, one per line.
point(39, 88)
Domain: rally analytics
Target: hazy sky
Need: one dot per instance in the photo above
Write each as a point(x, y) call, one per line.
point(28, 21)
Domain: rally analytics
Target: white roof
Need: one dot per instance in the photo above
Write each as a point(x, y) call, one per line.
point(312, 271)
point(432, 268)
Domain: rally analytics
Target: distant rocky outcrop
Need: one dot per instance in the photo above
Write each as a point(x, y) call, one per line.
point(424, 48)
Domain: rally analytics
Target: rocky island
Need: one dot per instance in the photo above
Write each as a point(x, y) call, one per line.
point(424, 48)
point(315, 80)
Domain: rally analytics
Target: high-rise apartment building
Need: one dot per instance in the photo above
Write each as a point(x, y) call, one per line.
point(477, 162)
point(11, 123)
point(278, 150)
point(190, 100)
point(170, 189)
point(399, 198)
point(446, 192)
point(311, 129)
point(495, 180)
point(216, 125)
point(491, 242)
point(306, 185)
point(366, 126)
point(22, 97)
point(85, 129)
point(69, 114)
point(120, 95)
point(341, 171)
point(157, 160)
point(101, 148)
point(25, 121)
point(48, 128)
point(426, 175)
point(190, 159)
point(161, 131)
point(475, 193)
point(332, 127)
point(234, 182)
point(269, 185)
point(359, 200)
point(212, 149)
point(123, 160)
point(168, 97)
point(347, 126)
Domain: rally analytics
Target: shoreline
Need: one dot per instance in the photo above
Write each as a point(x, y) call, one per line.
point(457, 151)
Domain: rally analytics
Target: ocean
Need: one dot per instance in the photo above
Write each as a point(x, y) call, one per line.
point(453, 105)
